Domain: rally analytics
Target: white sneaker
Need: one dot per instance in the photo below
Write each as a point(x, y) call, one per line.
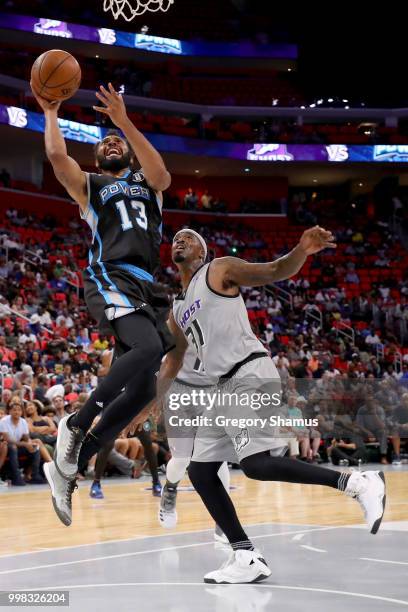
point(368, 488)
point(167, 508)
point(67, 449)
point(243, 566)
point(61, 491)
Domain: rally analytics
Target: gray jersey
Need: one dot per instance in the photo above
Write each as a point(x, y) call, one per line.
point(192, 372)
point(216, 325)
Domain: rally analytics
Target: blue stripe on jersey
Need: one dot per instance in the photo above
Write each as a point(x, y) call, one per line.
point(99, 285)
point(105, 274)
point(137, 272)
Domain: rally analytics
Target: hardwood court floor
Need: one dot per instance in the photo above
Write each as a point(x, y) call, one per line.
point(28, 522)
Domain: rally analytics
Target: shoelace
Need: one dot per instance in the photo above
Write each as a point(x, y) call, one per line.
point(74, 437)
point(71, 486)
point(168, 501)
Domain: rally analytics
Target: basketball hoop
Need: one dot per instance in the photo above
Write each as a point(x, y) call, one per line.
point(129, 9)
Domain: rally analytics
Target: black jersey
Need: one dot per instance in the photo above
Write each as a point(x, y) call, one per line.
point(125, 217)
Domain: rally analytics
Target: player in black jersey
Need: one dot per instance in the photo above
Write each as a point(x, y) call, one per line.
point(123, 209)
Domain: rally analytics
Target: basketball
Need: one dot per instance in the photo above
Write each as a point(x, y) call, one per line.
point(56, 75)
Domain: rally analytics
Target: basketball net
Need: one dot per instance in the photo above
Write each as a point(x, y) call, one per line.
point(129, 9)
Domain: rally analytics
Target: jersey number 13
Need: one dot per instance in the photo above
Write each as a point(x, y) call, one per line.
point(140, 216)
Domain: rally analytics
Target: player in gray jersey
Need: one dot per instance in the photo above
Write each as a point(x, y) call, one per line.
point(181, 439)
point(210, 315)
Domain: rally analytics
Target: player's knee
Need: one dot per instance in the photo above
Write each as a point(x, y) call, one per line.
point(200, 475)
point(250, 467)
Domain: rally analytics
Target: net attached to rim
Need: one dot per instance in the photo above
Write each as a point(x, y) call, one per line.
point(129, 9)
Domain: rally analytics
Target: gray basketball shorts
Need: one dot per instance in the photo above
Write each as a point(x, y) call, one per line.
point(182, 408)
point(241, 423)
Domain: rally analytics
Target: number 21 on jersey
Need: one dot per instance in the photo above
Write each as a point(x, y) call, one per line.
point(140, 216)
point(197, 338)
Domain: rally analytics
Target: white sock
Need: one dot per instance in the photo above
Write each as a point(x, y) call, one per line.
point(176, 468)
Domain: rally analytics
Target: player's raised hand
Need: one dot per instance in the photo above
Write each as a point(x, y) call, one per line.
point(114, 105)
point(316, 239)
point(45, 104)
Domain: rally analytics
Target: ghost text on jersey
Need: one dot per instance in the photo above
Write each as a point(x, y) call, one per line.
point(187, 314)
point(123, 188)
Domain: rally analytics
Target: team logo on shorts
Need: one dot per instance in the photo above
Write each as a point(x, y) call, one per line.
point(241, 440)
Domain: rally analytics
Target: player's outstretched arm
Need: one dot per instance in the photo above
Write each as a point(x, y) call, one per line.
point(150, 160)
point(66, 169)
point(174, 359)
point(228, 273)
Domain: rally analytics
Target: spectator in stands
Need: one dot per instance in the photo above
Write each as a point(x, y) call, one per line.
point(15, 430)
point(83, 339)
point(5, 178)
point(101, 343)
point(281, 356)
point(7, 354)
point(325, 415)
point(190, 199)
point(55, 395)
point(347, 451)
point(66, 318)
point(372, 338)
point(42, 429)
point(41, 389)
point(27, 336)
point(381, 261)
point(44, 317)
point(352, 277)
point(370, 419)
point(399, 428)
point(206, 201)
point(21, 359)
point(24, 378)
point(4, 268)
point(301, 432)
point(269, 335)
point(314, 363)
point(275, 308)
point(3, 453)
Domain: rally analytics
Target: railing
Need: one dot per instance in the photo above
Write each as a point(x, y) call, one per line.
point(284, 295)
point(34, 259)
point(75, 284)
point(24, 317)
point(346, 331)
point(315, 314)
